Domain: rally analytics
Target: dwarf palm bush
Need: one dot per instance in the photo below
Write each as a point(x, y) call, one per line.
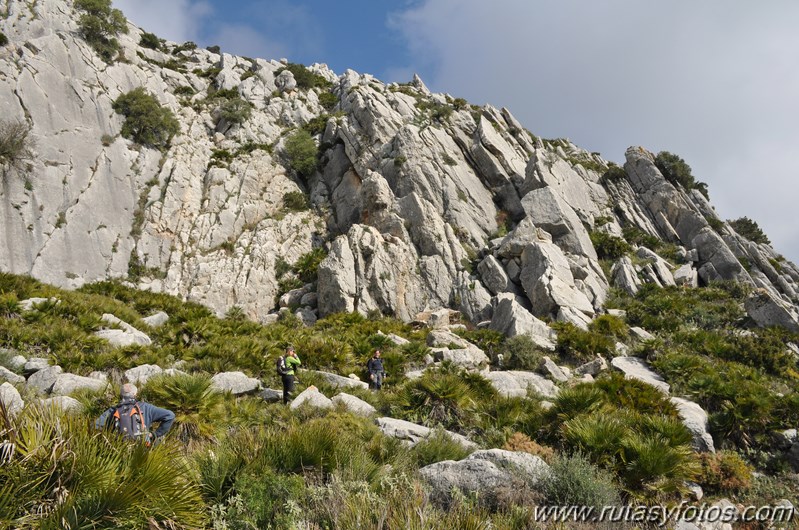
point(437, 398)
point(437, 448)
point(61, 474)
point(197, 406)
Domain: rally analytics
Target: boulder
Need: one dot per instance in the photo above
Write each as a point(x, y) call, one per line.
point(552, 370)
point(396, 339)
point(661, 267)
point(493, 275)
point(140, 374)
point(549, 283)
point(413, 433)
point(338, 381)
point(311, 397)
point(64, 403)
point(592, 368)
point(448, 346)
point(471, 298)
point(157, 320)
point(126, 335)
point(35, 364)
point(11, 398)
point(479, 478)
point(529, 467)
point(43, 380)
point(640, 333)
point(237, 383)
point(293, 298)
point(624, 277)
point(686, 276)
point(548, 211)
point(517, 384)
point(11, 377)
point(354, 404)
point(766, 311)
point(31, 303)
point(511, 319)
point(482, 474)
point(635, 368)
point(65, 384)
point(695, 419)
point(270, 395)
point(16, 362)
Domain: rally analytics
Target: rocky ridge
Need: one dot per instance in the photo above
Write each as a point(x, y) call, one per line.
point(420, 201)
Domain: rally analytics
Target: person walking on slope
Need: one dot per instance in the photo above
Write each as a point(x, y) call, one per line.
point(376, 372)
point(134, 419)
point(285, 369)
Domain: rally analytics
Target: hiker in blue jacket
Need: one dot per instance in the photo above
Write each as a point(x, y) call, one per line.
point(134, 419)
point(376, 371)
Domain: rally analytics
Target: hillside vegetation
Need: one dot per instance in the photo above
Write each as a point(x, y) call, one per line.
point(242, 463)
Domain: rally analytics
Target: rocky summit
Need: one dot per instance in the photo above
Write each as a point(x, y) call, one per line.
point(413, 201)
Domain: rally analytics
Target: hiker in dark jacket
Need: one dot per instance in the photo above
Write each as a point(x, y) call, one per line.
point(148, 414)
point(285, 368)
point(376, 372)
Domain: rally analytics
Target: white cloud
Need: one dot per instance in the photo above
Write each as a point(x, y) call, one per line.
point(712, 83)
point(175, 20)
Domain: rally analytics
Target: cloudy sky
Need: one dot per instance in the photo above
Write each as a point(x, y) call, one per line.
point(716, 82)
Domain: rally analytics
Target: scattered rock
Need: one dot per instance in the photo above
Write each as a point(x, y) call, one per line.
point(511, 319)
point(686, 276)
point(695, 419)
point(64, 403)
point(549, 368)
point(140, 374)
point(339, 381)
point(11, 398)
point(126, 336)
point(768, 311)
point(270, 395)
point(640, 334)
point(413, 433)
point(43, 380)
point(313, 398)
point(354, 404)
point(517, 384)
point(35, 364)
point(66, 384)
point(31, 303)
point(11, 377)
point(592, 368)
point(157, 320)
point(237, 383)
point(635, 368)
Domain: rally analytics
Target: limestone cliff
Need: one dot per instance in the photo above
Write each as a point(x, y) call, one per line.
point(421, 201)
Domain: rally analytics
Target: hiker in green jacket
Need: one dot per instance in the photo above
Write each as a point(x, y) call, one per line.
point(285, 368)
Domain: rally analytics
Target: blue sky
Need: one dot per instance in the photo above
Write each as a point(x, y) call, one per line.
point(714, 82)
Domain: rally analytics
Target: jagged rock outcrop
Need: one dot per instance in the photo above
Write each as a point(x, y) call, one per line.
point(410, 201)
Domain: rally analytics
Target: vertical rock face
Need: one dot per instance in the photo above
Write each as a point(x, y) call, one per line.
point(419, 201)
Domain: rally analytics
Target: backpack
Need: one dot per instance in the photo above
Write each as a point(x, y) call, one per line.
point(129, 421)
point(281, 366)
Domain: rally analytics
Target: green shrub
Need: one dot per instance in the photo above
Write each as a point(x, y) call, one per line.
point(675, 169)
point(197, 406)
point(317, 125)
point(610, 326)
point(614, 173)
point(296, 201)
point(437, 448)
point(581, 344)
point(574, 480)
point(305, 78)
point(3, 39)
point(608, 246)
point(307, 265)
point(301, 151)
point(235, 110)
point(521, 353)
point(186, 46)
point(16, 146)
point(146, 121)
point(328, 100)
point(99, 25)
point(750, 230)
point(150, 40)
point(185, 90)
